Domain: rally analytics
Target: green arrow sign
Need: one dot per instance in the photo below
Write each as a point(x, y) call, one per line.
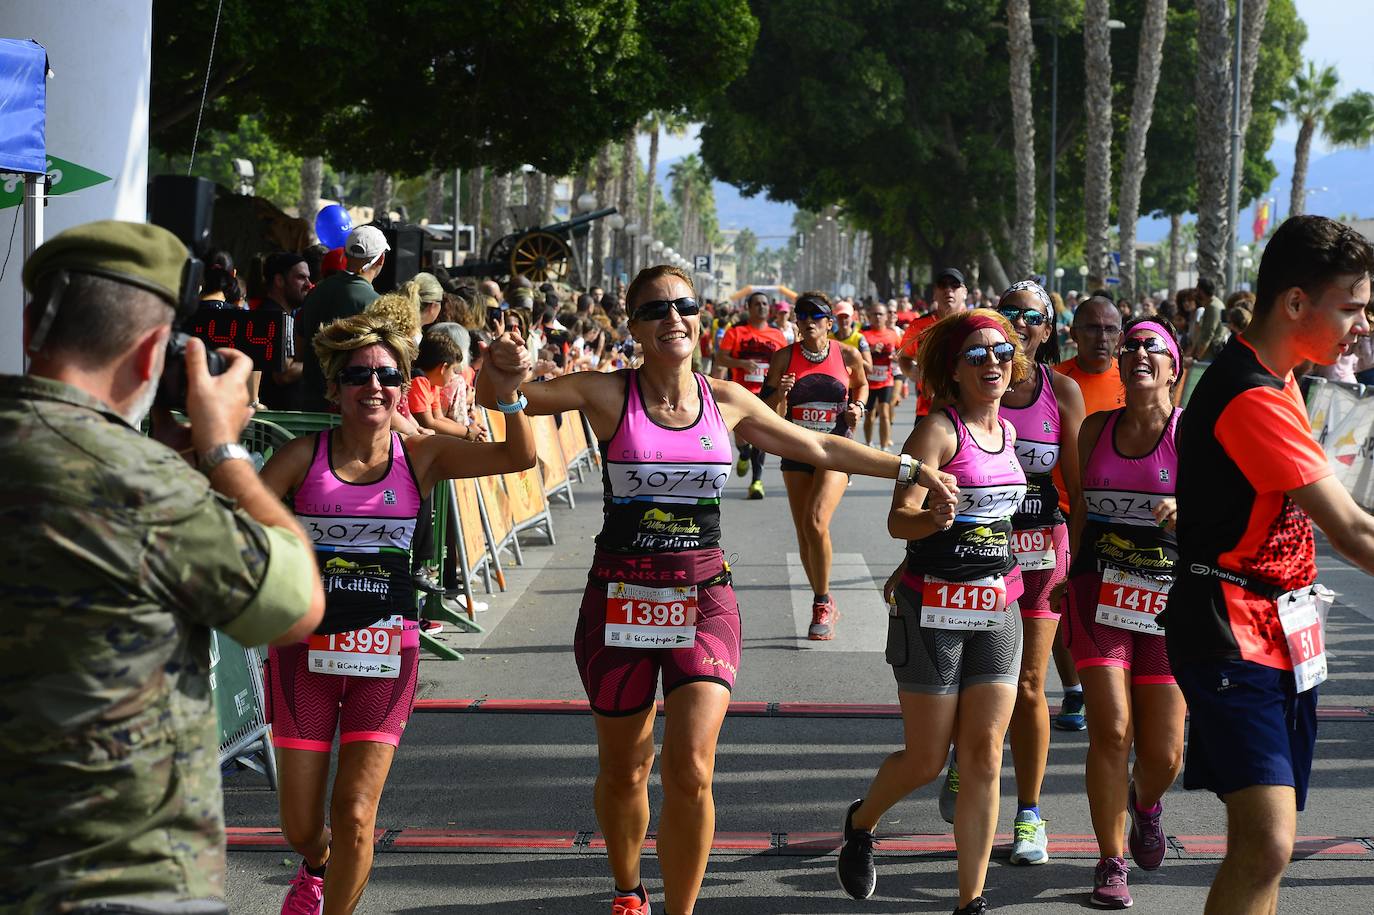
point(67, 177)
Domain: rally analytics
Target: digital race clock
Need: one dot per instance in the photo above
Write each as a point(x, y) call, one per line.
point(262, 335)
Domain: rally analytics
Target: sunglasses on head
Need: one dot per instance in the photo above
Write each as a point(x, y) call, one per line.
point(388, 376)
point(1152, 345)
point(1033, 317)
point(977, 355)
point(657, 310)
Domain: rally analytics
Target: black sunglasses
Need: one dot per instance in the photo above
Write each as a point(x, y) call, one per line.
point(1152, 345)
point(388, 376)
point(657, 310)
point(977, 355)
point(1033, 317)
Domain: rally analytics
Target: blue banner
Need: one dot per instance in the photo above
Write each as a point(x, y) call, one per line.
point(23, 106)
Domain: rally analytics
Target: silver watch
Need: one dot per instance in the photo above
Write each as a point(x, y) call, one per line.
point(230, 451)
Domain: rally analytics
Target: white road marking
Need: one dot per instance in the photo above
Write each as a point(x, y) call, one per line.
point(863, 616)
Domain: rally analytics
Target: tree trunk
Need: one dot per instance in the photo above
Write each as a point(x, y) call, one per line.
point(1097, 132)
point(880, 265)
point(629, 183)
point(1213, 95)
point(434, 197)
point(1297, 201)
point(1022, 51)
point(382, 188)
point(477, 201)
point(534, 188)
point(1251, 31)
point(500, 206)
point(652, 183)
point(1175, 229)
point(605, 195)
point(990, 264)
point(1133, 159)
point(312, 178)
point(546, 199)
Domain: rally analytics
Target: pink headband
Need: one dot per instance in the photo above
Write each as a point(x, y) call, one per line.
point(970, 322)
point(1163, 332)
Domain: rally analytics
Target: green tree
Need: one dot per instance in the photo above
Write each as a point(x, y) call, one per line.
point(1307, 100)
point(1350, 122)
point(410, 86)
point(746, 252)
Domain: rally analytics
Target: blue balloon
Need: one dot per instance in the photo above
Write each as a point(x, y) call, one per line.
point(332, 225)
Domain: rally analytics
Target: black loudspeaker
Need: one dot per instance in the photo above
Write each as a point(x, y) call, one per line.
point(403, 260)
point(184, 206)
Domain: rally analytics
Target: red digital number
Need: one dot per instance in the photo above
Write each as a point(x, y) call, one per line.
point(264, 340)
point(223, 339)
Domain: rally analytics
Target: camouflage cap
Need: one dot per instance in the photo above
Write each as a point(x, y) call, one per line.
point(137, 253)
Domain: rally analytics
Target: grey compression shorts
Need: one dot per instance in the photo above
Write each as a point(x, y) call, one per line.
point(941, 662)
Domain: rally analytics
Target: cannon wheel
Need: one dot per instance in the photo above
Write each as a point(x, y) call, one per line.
point(540, 257)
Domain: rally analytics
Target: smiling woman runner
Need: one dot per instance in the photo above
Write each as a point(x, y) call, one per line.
point(819, 384)
point(357, 489)
point(1046, 410)
point(1124, 550)
point(658, 600)
point(954, 629)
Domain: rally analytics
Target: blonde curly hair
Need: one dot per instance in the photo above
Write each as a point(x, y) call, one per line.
point(401, 308)
point(336, 343)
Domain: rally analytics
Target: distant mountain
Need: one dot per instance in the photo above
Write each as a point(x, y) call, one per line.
point(760, 215)
point(1339, 183)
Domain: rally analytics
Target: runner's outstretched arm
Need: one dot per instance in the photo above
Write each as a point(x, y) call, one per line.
point(1349, 527)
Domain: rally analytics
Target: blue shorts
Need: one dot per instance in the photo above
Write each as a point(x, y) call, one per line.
point(1247, 726)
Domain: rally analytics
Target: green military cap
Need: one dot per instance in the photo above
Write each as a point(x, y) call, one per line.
point(137, 253)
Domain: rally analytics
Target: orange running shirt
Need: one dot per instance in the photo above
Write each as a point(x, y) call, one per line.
point(758, 346)
point(882, 344)
point(911, 341)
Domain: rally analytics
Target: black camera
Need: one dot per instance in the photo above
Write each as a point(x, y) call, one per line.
point(184, 206)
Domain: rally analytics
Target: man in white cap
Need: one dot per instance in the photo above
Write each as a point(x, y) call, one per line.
point(340, 295)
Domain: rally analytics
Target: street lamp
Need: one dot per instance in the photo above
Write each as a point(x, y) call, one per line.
point(1247, 263)
point(656, 246)
point(1148, 263)
point(586, 202)
point(1190, 259)
point(1058, 275)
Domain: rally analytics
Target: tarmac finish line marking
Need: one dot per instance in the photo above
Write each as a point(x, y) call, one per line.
point(797, 844)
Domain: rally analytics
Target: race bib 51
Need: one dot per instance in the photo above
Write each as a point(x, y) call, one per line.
point(1302, 626)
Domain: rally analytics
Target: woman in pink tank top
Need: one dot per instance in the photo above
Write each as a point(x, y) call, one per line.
point(658, 603)
point(357, 490)
point(954, 630)
point(1046, 410)
point(1124, 549)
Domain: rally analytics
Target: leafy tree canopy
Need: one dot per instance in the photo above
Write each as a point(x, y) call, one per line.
point(419, 84)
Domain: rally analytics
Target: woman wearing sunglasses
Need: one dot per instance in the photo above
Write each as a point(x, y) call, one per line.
point(658, 602)
point(819, 384)
point(1046, 410)
point(1124, 549)
point(954, 631)
point(358, 490)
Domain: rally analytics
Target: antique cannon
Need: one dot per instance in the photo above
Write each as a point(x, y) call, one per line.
point(542, 254)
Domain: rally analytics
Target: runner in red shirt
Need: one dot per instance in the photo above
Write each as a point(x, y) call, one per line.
point(950, 297)
point(882, 346)
point(1243, 635)
point(746, 350)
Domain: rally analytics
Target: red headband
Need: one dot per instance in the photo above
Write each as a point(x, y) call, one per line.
point(969, 323)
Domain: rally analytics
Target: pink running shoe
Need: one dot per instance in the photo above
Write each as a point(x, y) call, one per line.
point(306, 896)
point(632, 904)
point(1147, 841)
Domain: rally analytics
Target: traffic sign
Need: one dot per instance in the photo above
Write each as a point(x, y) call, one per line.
point(701, 263)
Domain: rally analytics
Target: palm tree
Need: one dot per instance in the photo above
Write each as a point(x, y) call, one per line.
point(1307, 100)
point(1212, 90)
point(1022, 50)
point(1350, 122)
point(1151, 54)
point(746, 249)
point(1097, 128)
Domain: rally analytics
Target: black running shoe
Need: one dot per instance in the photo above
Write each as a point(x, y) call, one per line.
point(977, 906)
point(855, 868)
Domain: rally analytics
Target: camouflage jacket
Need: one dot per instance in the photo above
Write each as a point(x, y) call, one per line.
point(121, 559)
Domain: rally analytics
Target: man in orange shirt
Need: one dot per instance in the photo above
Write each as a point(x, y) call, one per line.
point(950, 296)
point(746, 349)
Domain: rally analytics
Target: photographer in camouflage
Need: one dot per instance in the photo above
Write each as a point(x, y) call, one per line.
point(120, 559)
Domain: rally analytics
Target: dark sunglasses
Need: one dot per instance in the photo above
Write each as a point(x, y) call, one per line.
point(1033, 317)
point(388, 376)
point(1152, 345)
point(977, 355)
point(657, 310)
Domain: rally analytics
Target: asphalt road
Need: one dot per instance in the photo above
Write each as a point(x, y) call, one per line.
point(488, 807)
